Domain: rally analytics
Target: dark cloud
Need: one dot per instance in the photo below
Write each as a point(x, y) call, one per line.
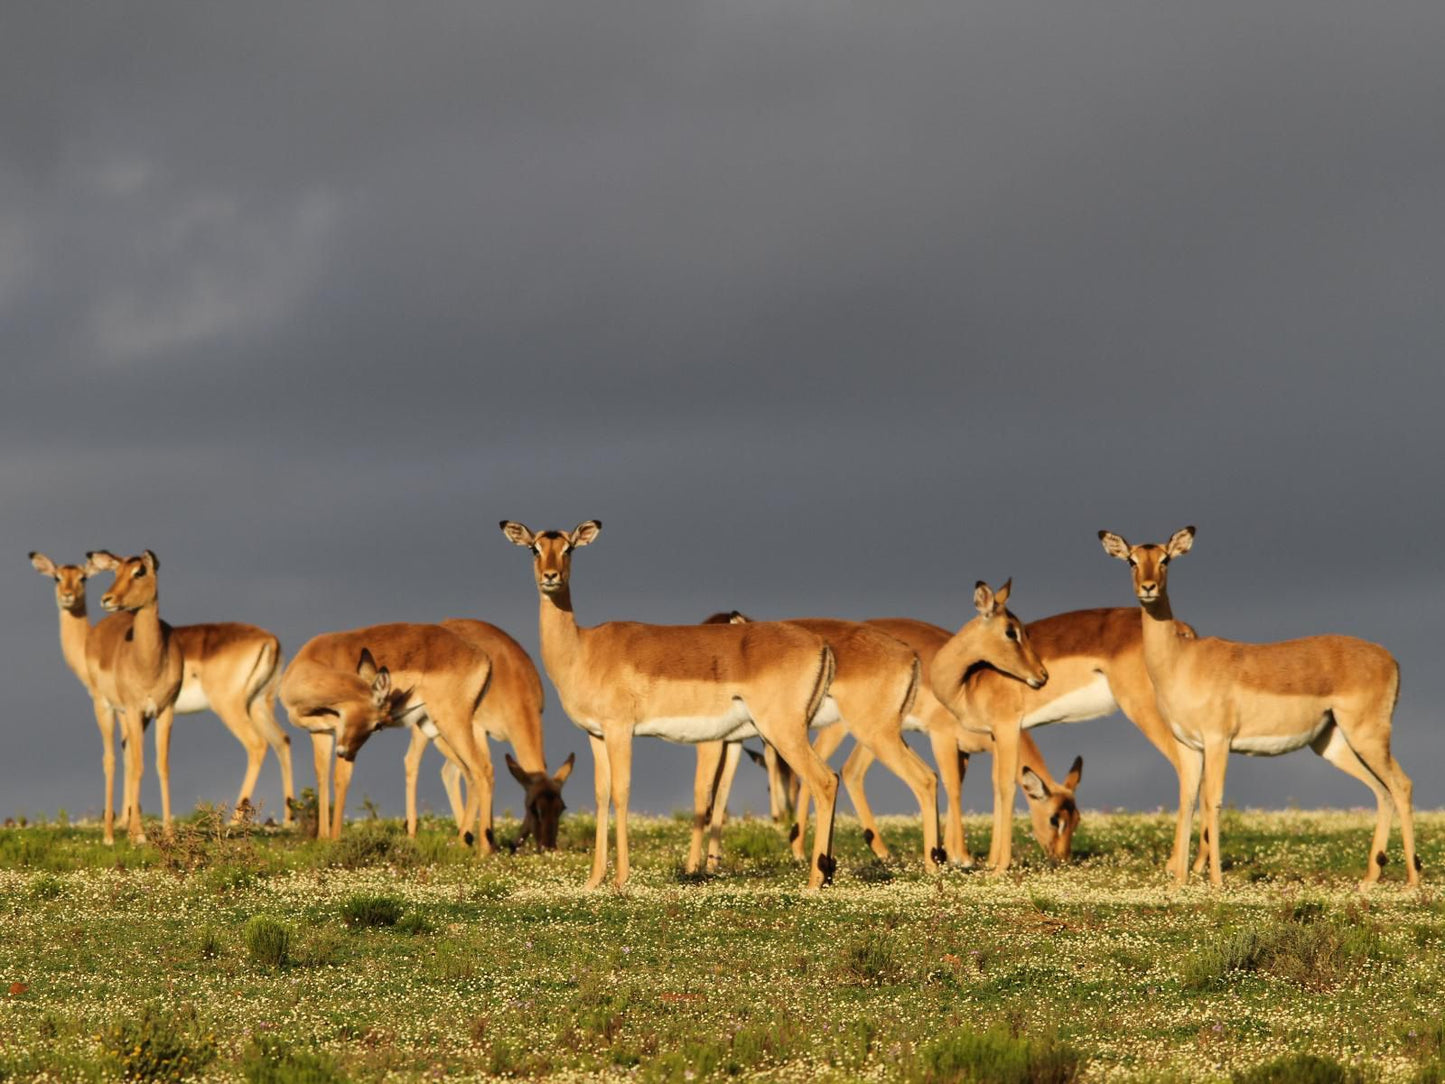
point(820, 310)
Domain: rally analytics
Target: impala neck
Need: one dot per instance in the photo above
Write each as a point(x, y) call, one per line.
point(560, 638)
point(1161, 635)
point(960, 658)
point(148, 639)
point(74, 630)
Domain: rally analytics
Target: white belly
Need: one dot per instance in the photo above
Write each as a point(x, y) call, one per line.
point(913, 722)
point(192, 698)
point(1086, 702)
point(416, 715)
point(827, 713)
point(1272, 745)
point(689, 729)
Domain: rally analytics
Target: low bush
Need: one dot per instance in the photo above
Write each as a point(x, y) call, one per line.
point(996, 1057)
point(363, 912)
point(270, 1061)
point(268, 942)
point(1299, 1069)
point(153, 1046)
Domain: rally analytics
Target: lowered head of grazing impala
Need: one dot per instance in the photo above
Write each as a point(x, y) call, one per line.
point(353, 706)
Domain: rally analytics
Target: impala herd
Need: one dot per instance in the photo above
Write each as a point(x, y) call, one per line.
point(460, 682)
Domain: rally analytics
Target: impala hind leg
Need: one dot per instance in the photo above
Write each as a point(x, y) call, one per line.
point(262, 712)
point(451, 774)
point(952, 765)
point(731, 755)
point(164, 722)
point(602, 789)
point(888, 746)
point(860, 759)
point(792, 745)
point(825, 745)
point(233, 714)
point(1372, 745)
point(705, 782)
point(1332, 746)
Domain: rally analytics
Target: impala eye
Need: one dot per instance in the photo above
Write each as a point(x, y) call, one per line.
point(139, 572)
point(1012, 634)
point(1164, 560)
point(1054, 822)
point(1133, 563)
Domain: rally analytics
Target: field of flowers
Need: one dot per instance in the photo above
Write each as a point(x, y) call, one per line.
point(256, 955)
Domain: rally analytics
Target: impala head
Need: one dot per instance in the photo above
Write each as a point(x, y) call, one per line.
point(543, 801)
point(552, 551)
point(1149, 563)
point(1003, 643)
point(69, 580)
point(134, 585)
point(1054, 811)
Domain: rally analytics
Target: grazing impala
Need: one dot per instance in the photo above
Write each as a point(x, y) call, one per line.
point(230, 668)
point(1096, 666)
point(686, 683)
point(346, 685)
point(510, 712)
point(1335, 694)
point(873, 689)
point(133, 662)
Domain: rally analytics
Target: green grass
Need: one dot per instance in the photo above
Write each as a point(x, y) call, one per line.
point(256, 955)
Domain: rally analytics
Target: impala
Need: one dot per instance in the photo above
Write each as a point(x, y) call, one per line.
point(229, 668)
point(134, 665)
point(343, 686)
point(873, 689)
point(685, 683)
point(1096, 666)
point(1335, 694)
point(510, 712)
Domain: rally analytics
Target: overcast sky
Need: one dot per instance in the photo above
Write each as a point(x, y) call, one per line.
point(822, 309)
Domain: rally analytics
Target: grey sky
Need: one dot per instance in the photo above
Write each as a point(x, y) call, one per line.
point(821, 308)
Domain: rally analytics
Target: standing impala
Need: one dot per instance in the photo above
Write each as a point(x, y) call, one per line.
point(133, 661)
point(343, 686)
point(686, 683)
point(1096, 666)
point(230, 668)
point(1335, 694)
point(873, 690)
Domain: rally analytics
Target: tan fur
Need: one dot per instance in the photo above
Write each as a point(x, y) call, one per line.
point(333, 689)
point(1219, 695)
point(616, 677)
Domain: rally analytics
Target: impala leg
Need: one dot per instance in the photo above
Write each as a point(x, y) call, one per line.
point(1005, 778)
point(619, 752)
point(1216, 762)
point(481, 785)
point(321, 743)
point(411, 764)
point(860, 759)
point(889, 747)
point(793, 747)
point(1191, 768)
point(132, 727)
point(1372, 745)
point(731, 755)
point(1201, 860)
point(343, 770)
point(1333, 747)
point(164, 722)
point(602, 789)
point(451, 774)
point(798, 834)
point(105, 720)
point(704, 789)
point(262, 712)
point(952, 763)
point(778, 797)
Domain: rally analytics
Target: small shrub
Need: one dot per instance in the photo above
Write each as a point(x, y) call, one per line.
point(268, 942)
point(270, 1061)
point(46, 887)
point(362, 911)
point(869, 961)
point(230, 878)
point(1307, 948)
point(1299, 1069)
point(208, 945)
point(997, 1057)
point(414, 924)
point(362, 846)
point(152, 1047)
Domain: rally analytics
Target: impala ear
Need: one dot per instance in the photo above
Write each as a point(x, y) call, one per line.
point(738, 618)
point(381, 687)
point(152, 561)
point(983, 600)
point(585, 533)
point(42, 564)
point(101, 561)
point(1076, 770)
point(1180, 542)
point(366, 666)
point(523, 777)
point(756, 757)
point(560, 776)
point(1033, 785)
point(518, 534)
point(1001, 595)
point(1114, 546)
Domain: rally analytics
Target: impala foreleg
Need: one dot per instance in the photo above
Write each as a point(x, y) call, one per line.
point(164, 722)
point(1216, 764)
point(105, 720)
point(704, 790)
point(132, 728)
point(602, 790)
point(732, 753)
point(321, 743)
point(343, 769)
point(411, 764)
point(1005, 779)
point(619, 754)
point(952, 764)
